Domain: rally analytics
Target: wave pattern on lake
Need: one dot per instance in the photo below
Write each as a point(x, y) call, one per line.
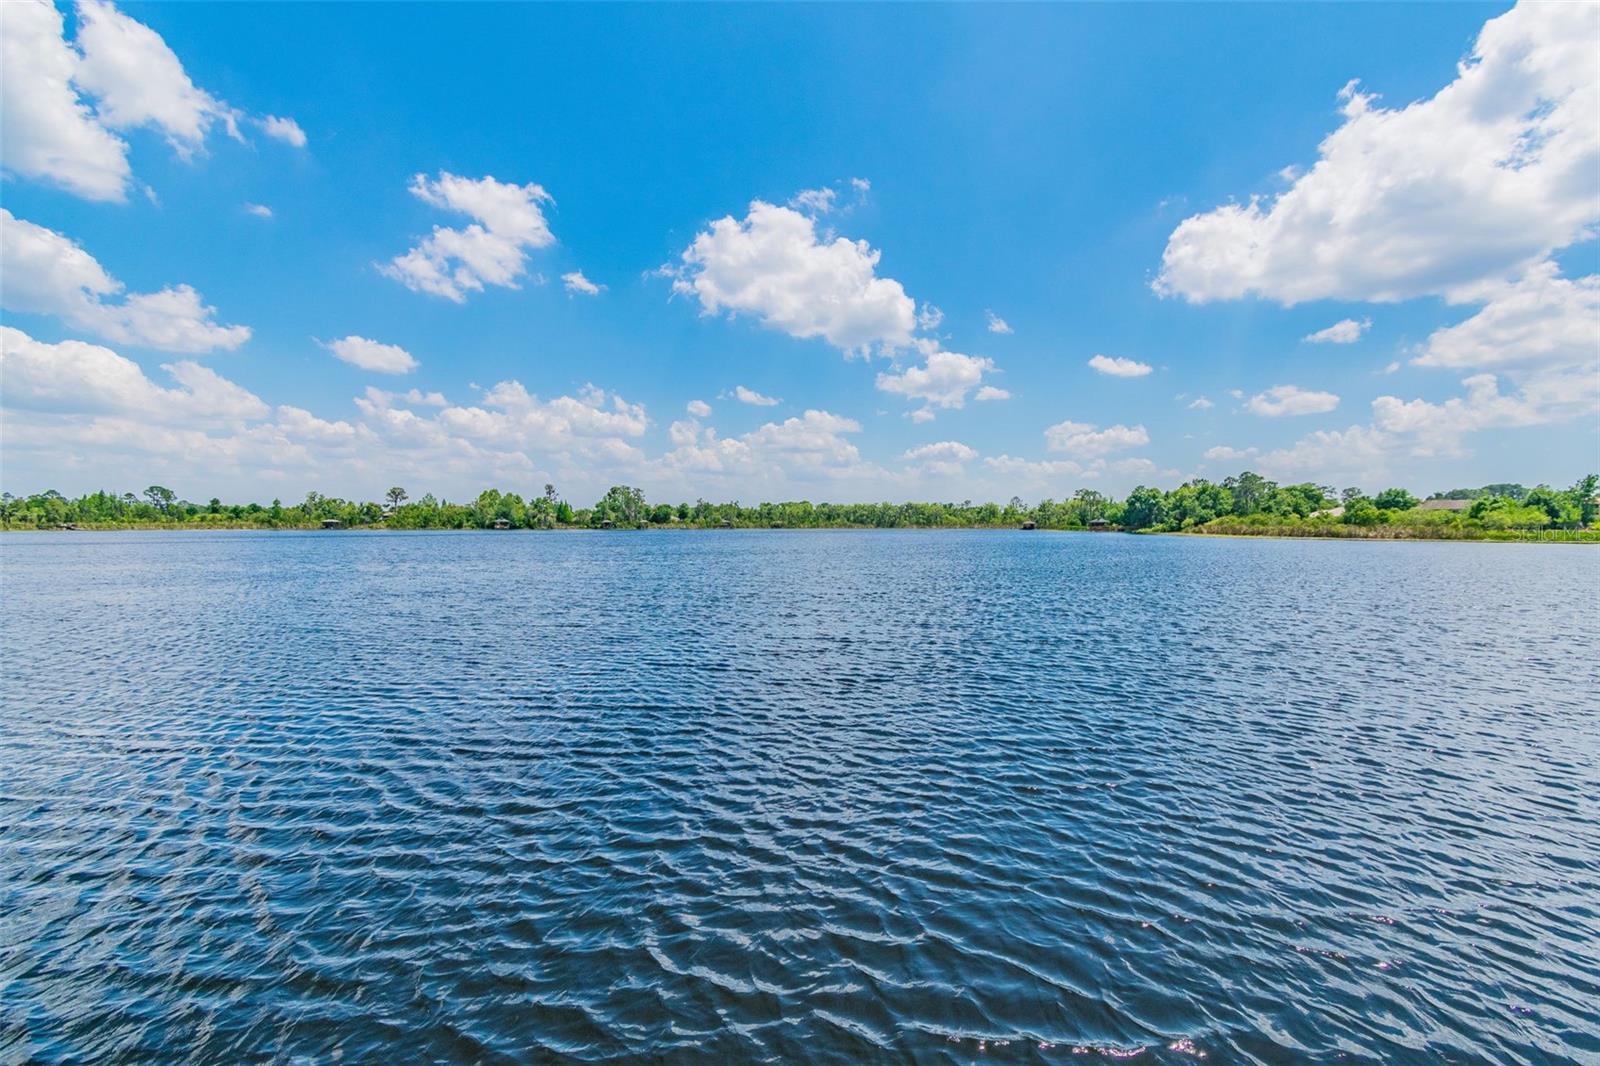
point(795, 796)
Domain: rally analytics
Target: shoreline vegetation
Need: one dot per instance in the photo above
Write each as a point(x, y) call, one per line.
point(1244, 505)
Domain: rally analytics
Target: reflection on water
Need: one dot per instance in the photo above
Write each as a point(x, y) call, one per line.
point(782, 796)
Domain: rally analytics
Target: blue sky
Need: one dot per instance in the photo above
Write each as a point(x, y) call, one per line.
point(1160, 203)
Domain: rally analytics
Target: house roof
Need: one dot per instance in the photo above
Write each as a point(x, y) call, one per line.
point(1445, 505)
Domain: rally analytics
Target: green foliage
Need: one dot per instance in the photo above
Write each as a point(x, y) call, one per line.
point(1361, 512)
point(1395, 500)
point(1247, 503)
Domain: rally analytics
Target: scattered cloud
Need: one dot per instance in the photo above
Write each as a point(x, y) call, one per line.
point(1085, 440)
point(371, 355)
point(64, 104)
point(1541, 321)
point(508, 221)
point(1466, 195)
point(47, 273)
point(945, 449)
point(1281, 400)
point(1119, 367)
point(929, 318)
point(138, 81)
point(698, 408)
point(412, 396)
point(576, 282)
point(47, 129)
point(1052, 474)
point(1345, 331)
point(77, 377)
point(286, 130)
point(944, 380)
point(754, 398)
point(990, 392)
point(1200, 403)
point(942, 458)
point(772, 265)
point(1356, 455)
point(1437, 429)
point(1478, 183)
point(814, 446)
point(996, 323)
point(259, 210)
point(1223, 453)
point(814, 201)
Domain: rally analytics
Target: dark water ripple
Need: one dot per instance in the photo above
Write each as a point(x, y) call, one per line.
point(776, 797)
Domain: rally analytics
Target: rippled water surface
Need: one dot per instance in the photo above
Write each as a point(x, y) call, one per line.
point(795, 796)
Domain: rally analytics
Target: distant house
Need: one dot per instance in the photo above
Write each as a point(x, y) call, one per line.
point(606, 523)
point(500, 523)
point(1444, 505)
point(332, 523)
point(725, 524)
point(1099, 525)
point(1030, 525)
point(1329, 512)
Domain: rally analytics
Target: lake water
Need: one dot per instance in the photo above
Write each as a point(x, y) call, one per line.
point(797, 796)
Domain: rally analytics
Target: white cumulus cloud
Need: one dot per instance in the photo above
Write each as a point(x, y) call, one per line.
point(996, 323)
point(1479, 182)
point(63, 103)
point(138, 81)
point(286, 130)
point(1086, 440)
point(47, 273)
point(1281, 400)
point(1540, 321)
point(698, 408)
point(773, 266)
point(47, 129)
point(1345, 331)
point(372, 355)
point(508, 220)
point(945, 458)
point(576, 282)
point(754, 398)
point(944, 380)
point(1119, 366)
point(74, 376)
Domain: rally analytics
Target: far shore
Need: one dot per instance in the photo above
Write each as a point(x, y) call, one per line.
point(1332, 532)
point(1247, 505)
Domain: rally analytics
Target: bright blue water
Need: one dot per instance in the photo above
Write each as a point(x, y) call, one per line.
point(793, 796)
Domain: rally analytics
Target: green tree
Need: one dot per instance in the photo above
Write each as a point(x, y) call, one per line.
point(1250, 492)
point(396, 496)
point(1583, 493)
point(1395, 500)
point(1144, 509)
point(1361, 511)
point(621, 505)
point(160, 497)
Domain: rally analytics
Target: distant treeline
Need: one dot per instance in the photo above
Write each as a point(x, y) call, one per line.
point(1247, 503)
